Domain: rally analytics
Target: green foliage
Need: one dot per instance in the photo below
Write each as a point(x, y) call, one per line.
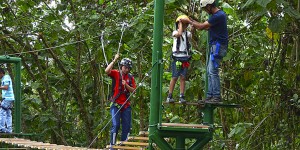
point(261, 70)
point(239, 130)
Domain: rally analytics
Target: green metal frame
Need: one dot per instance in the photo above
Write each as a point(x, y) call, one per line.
point(157, 133)
point(17, 89)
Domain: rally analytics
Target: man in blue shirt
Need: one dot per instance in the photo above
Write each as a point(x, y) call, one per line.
point(7, 102)
point(218, 44)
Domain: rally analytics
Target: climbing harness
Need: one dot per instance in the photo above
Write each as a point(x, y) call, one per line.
point(113, 98)
point(139, 85)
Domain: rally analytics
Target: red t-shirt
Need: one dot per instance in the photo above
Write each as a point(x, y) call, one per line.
point(115, 75)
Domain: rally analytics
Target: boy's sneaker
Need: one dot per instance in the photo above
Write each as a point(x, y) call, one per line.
point(182, 100)
point(121, 144)
point(170, 100)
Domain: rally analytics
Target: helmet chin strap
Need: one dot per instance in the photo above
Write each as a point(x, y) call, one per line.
point(210, 10)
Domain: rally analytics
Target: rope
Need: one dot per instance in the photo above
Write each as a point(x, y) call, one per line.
point(140, 84)
point(124, 24)
point(102, 34)
point(193, 6)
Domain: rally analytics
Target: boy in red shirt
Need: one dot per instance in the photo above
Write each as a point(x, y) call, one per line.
point(123, 84)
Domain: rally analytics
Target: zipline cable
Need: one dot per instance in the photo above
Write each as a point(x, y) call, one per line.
point(140, 84)
point(62, 45)
point(124, 24)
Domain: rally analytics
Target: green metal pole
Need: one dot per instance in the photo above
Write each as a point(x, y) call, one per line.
point(200, 143)
point(180, 143)
point(18, 109)
point(160, 142)
point(156, 72)
point(7, 59)
point(208, 117)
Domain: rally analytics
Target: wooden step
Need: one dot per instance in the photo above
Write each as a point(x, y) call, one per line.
point(187, 103)
point(135, 143)
point(38, 145)
point(143, 133)
point(183, 125)
point(138, 138)
point(125, 147)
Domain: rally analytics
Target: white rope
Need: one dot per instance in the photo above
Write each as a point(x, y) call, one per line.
point(103, 48)
point(124, 24)
point(193, 6)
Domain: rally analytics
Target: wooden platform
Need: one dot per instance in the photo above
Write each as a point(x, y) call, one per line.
point(143, 133)
point(187, 103)
point(139, 142)
point(38, 145)
point(131, 138)
point(224, 105)
point(125, 148)
point(183, 125)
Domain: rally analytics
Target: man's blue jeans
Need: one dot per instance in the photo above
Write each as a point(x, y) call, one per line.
point(5, 116)
point(213, 71)
point(125, 117)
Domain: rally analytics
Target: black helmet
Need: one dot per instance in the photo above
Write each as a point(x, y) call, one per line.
point(126, 62)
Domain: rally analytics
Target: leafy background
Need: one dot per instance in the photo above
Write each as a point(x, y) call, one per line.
point(65, 88)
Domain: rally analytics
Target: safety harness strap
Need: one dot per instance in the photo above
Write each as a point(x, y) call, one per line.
point(113, 99)
point(215, 54)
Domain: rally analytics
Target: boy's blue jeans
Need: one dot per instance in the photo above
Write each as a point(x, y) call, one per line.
point(213, 72)
point(125, 117)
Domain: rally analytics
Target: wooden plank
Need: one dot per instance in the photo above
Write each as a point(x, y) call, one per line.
point(143, 133)
point(183, 125)
point(135, 143)
point(226, 105)
point(54, 147)
point(138, 138)
point(125, 147)
point(187, 103)
point(35, 145)
point(14, 148)
point(12, 139)
point(38, 145)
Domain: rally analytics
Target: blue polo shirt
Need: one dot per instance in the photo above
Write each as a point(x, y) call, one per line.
point(9, 93)
point(218, 30)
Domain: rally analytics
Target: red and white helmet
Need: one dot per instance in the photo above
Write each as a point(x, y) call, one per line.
point(203, 3)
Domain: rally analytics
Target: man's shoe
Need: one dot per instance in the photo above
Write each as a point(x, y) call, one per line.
point(207, 99)
point(201, 101)
point(182, 100)
point(170, 100)
point(215, 100)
